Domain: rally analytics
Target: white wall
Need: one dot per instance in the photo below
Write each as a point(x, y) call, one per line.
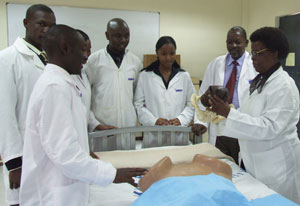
point(198, 26)
point(144, 26)
point(264, 12)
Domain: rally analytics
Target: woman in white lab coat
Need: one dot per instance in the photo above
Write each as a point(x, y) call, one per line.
point(82, 82)
point(163, 93)
point(84, 85)
point(266, 123)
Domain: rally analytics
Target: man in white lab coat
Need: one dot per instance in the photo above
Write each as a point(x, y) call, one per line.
point(113, 73)
point(57, 167)
point(218, 72)
point(20, 66)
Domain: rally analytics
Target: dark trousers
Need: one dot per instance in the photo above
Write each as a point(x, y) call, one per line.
point(229, 146)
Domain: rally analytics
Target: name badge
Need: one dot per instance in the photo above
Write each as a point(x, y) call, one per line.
point(78, 90)
point(179, 90)
point(130, 79)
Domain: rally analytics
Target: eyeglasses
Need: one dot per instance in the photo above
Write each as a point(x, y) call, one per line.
point(258, 53)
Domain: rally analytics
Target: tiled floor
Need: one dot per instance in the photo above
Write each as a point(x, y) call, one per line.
point(2, 195)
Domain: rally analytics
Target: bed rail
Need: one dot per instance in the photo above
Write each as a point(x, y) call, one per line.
point(133, 131)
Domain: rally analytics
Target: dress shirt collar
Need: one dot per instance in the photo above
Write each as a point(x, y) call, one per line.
point(240, 60)
point(33, 48)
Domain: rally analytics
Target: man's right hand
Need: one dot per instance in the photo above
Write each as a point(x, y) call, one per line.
point(199, 129)
point(15, 178)
point(105, 127)
point(126, 174)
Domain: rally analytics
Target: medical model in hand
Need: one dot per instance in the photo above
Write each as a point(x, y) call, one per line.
point(208, 116)
point(220, 91)
point(200, 165)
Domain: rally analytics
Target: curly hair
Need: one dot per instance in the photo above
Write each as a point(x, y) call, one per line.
point(274, 39)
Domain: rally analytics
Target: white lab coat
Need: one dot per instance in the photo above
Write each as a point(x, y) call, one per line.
point(214, 75)
point(152, 101)
point(57, 167)
point(85, 88)
point(20, 68)
point(112, 90)
point(265, 126)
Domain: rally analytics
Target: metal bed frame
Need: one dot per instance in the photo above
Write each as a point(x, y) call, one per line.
point(105, 134)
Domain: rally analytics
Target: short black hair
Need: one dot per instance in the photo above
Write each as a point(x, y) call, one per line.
point(118, 21)
point(55, 35)
point(37, 7)
point(85, 36)
point(274, 39)
point(165, 40)
point(238, 28)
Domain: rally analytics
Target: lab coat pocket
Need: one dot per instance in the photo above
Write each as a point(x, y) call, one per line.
point(179, 94)
point(75, 194)
point(270, 167)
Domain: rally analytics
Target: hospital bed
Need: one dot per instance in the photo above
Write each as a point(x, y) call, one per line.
point(125, 194)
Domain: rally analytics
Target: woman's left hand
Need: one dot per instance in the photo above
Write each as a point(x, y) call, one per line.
point(175, 122)
point(218, 106)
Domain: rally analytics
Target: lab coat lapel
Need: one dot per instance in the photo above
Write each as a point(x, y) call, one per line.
point(273, 76)
point(67, 77)
point(37, 62)
point(124, 61)
point(221, 72)
point(245, 67)
point(111, 62)
point(158, 80)
point(23, 49)
point(71, 81)
point(173, 81)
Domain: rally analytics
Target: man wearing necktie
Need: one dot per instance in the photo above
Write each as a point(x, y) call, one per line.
point(233, 71)
point(21, 65)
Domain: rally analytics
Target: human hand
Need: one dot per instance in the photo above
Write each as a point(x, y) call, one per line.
point(174, 122)
point(15, 178)
point(105, 127)
point(218, 106)
point(126, 174)
point(198, 129)
point(94, 156)
point(162, 122)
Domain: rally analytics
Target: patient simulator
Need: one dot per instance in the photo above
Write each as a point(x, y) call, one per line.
point(200, 165)
point(204, 181)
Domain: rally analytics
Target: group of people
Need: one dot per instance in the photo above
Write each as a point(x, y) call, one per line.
point(53, 92)
point(260, 133)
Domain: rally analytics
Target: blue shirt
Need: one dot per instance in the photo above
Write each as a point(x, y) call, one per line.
point(228, 69)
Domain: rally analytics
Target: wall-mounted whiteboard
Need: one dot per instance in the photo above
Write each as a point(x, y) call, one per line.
point(144, 26)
